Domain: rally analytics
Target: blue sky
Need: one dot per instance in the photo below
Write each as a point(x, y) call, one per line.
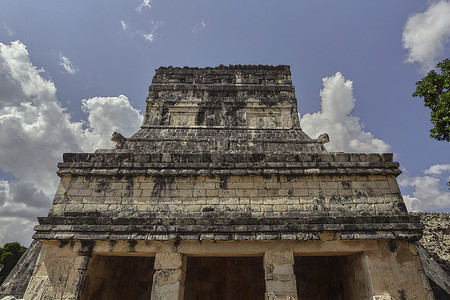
point(71, 72)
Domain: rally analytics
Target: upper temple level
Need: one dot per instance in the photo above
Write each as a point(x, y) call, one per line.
point(233, 96)
point(249, 108)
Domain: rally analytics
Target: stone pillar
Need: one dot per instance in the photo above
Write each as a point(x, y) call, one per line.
point(77, 272)
point(76, 276)
point(168, 280)
point(279, 275)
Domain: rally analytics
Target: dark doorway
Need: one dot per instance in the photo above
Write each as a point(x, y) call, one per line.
point(331, 277)
point(118, 277)
point(225, 278)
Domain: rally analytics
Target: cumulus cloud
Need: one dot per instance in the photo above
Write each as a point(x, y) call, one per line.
point(437, 170)
point(143, 4)
point(198, 27)
point(33, 124)
point(430, 192)
point(34, 132)
point(346, 132)
point(109, 114)
point(67, 64)
point(426, 33)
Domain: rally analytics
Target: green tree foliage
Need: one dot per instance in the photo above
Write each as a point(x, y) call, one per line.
point(434, 89)
point(9, 256)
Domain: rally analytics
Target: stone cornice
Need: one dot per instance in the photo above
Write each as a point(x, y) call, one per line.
point(127, 163)
point(301, 228)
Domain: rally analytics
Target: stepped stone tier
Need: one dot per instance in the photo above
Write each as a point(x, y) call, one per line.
point(221, 195)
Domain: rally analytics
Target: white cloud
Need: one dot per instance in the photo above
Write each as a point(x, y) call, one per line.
point(198, 27)
point(437, 170)
point(8, 30)
point(430, 192)
point(67, 64)
point(124, 25)
point(34, 132)
point(16, 230)
point(344, 129)
point(33, 123)
point(143, 4)
point(150, 36)
point(106, 115)
point(426, 34)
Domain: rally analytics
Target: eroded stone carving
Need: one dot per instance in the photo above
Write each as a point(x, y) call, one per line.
point(118, 138)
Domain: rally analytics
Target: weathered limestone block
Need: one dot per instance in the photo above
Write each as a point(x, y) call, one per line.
point(261, 196)
point(279, 275)
point(51, 272)
point(436, 237)
point(168, 280)
point(396, 271)
point(16, 282)
point(59, 271)
point(75, 280)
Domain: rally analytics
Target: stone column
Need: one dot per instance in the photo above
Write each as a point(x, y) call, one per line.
point(168, 280)
point(76, 277)
point(279, 275)
point(77, 272)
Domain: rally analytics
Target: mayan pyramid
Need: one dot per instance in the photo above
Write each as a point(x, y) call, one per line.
point(221, 195)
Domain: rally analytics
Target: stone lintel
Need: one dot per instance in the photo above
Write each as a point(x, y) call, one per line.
point(304, 223)
point(255, 236)
point(101, 228)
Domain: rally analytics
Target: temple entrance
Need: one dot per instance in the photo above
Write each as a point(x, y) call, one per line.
point(118, 277)
point(225, 278)
point(331, 277)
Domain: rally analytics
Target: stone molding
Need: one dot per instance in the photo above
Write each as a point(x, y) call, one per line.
point(127, 163)
point(158, 229)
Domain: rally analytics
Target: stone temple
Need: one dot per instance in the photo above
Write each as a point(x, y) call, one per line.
point(221, 195)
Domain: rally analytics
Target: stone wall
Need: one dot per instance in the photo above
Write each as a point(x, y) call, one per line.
point(127, 195)
point(436, 237)
point(226, 196)
point(434, 250)
point(16, 282)
point(234, 96)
